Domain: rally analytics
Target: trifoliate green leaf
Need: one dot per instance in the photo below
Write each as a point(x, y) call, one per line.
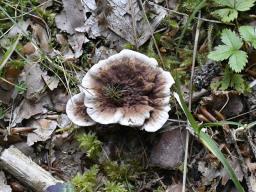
point(238, 83)
point(238, 60)
point(248, 33)
point(226, 14)
point(229, 3)
point(225, 82)
point(221, 53)
point(230, 38)
point(244, 5)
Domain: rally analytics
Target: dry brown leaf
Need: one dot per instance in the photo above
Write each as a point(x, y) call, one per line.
point(52, 82)
point(125, 21)
point(32, 76)
point(252, 179)
point(59, 99)
point(41, 35)
point(71, 17)
point(43, 132)
point(3, 183)
point(26, 109)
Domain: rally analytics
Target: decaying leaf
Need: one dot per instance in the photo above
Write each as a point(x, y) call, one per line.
point(253, 182)
point(65, 50)
point(228, 103)
point(28, 49)
point(63, 121)
point(59, 98)
point(71, 17)
point(113, 19)
point(32, 76)
point(76, 42)
point(43, 132)
point(234, 162)
point(41, 35)
point(68, 20)
point(7, 90)
point(51, 81)
point(118, 21)
point(209, 173)
point(3, 186)
point(102, 53)
point(27, 109)
point(19, 28)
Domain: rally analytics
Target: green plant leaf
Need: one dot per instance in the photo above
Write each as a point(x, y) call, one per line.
point(238, 83)
point(231, 39)
point(244, 5)
point(229, 3)
point(225, 82)
point(248, 33)
point(238, 60)
point(233, 80)
point(184, 107)
point(221, 53)
point(9, 52)
point(226, 14)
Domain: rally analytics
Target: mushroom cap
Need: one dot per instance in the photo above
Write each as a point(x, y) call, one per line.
point(76, 111)
point(130, 89)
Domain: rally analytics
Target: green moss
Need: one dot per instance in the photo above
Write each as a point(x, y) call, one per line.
point(118, 171)
point(90, 143)
point(86, 182)
point(114, 187)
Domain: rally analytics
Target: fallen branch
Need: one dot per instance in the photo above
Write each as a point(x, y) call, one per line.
point(25, 170)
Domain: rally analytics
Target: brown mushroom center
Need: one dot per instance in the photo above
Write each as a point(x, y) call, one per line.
point(80, 109)
point(126, 83)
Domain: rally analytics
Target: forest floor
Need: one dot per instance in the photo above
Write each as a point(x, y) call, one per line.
point(209, 47)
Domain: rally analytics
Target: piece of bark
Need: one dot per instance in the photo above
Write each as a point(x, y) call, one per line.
point(25, 170)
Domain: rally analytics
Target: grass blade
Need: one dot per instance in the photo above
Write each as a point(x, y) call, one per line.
point(9, 52)
point(220, 123)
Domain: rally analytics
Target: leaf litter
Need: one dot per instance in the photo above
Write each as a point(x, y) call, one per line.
point(94, 30)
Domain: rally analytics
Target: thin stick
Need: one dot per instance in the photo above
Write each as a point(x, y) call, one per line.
point(190, 101)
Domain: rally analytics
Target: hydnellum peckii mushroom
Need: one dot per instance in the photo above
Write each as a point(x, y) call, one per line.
point(128, 88)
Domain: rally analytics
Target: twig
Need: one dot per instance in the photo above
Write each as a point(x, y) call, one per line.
point(25, 170)
point(190, 101)
point(225, 104)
